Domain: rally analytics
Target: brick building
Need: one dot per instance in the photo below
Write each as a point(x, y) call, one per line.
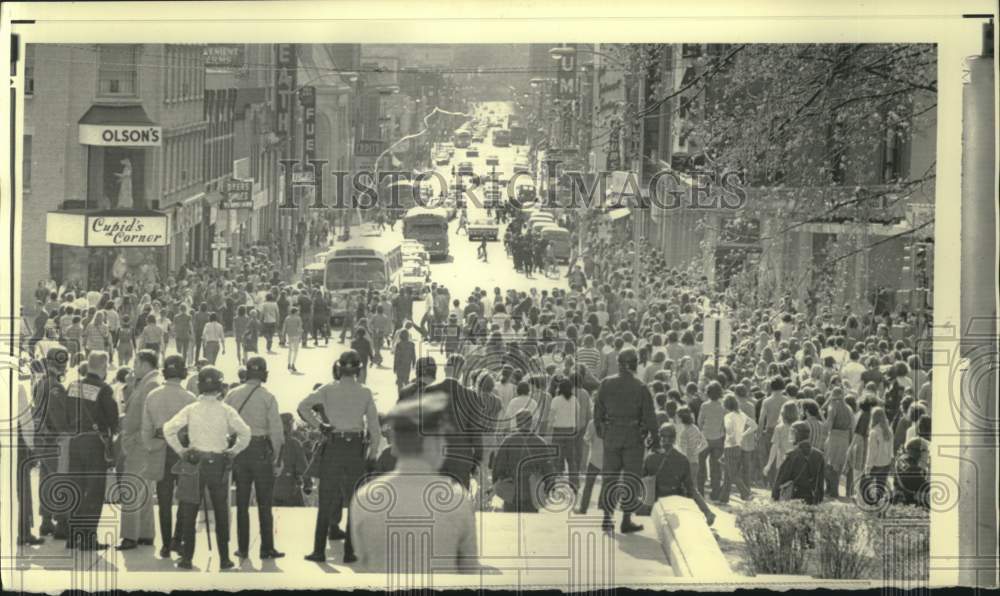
point(114, 138)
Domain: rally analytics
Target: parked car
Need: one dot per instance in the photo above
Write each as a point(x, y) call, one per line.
point(465, 169)
point(415, 276)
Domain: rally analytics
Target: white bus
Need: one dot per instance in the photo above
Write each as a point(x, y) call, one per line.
point(368, 263)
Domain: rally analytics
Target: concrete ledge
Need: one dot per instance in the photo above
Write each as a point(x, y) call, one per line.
point(687, 541)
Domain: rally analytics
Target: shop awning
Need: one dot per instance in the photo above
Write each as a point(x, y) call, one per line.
point(119, 126)
point(107, 227)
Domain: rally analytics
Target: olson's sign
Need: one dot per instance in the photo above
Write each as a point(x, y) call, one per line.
point(120, 135)
point(125, 231)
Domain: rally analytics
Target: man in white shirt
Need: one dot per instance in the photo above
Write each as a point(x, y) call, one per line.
point(738, 427)
point(209, 422)
point(852, 372)
point(521, 401)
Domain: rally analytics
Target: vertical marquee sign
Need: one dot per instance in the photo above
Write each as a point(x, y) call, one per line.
point(285, 74)
point(307, 97)
point(567, 91)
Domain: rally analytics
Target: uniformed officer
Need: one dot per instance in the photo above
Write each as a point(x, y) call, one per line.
point(420, 454)
point(49, 403)
point(623, 411)
point(92, 415)
point(350, 408)
point(25, 459)
point(161, 405)
point(254, 467)
point(209, 423)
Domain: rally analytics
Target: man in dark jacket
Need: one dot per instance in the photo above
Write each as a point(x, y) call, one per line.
point(92, 416)
point(623, 414)
point(465, 441)
point(426, 371)
point(49, 404)
point(521, 456)
point(803, 467)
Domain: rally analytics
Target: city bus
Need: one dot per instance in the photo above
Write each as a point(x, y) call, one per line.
point(518, 135)
point(518, 132)
point(463, 138)
point(363, 264)
point(430, 228)
point(501, 137)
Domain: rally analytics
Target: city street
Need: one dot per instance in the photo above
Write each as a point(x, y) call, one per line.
point(731, 377)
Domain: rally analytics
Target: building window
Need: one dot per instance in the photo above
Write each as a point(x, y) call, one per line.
point(29, 70)
point(117, 70)
point(26, 163)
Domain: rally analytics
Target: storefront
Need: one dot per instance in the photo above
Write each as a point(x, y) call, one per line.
point(115, 230)
point(117, 138)
point(93, 248)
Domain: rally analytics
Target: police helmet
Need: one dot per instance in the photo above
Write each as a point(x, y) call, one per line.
point(210, 380)
point(349, 363)
point(58, 358)
point(256, 368)
point(174, 367)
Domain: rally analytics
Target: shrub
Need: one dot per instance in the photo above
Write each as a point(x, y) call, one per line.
point(841, 547)
point(899, 538)
point(777, 536)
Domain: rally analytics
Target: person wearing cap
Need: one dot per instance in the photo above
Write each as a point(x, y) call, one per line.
point(209, 422)
point(418, 442)
point(426, 371)
point(25, 447)
point(465, 408)
point(137, 525)
point(162, 404)
point(351, 440)
point(623, 413)
point(254, 467)
point(93, 421)
point(49, 403)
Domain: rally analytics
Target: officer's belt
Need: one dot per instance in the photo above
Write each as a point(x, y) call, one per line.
point(347, 434)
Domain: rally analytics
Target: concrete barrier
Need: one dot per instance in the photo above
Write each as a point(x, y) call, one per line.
point(687, 541)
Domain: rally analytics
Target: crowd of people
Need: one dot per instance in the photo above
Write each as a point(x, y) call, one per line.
point(808, 403)
point(530, 252)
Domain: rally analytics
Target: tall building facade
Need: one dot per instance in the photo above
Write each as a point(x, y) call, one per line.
point(114, 138)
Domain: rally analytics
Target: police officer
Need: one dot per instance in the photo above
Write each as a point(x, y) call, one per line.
point(49, 404)
point(348, 405)
point(93, 419)
point(254, 467)
point(161, 405)
point(623, 410)
point(209, 423)
point(417, 436)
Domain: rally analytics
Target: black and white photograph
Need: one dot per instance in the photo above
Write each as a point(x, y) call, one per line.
point(502, 311)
